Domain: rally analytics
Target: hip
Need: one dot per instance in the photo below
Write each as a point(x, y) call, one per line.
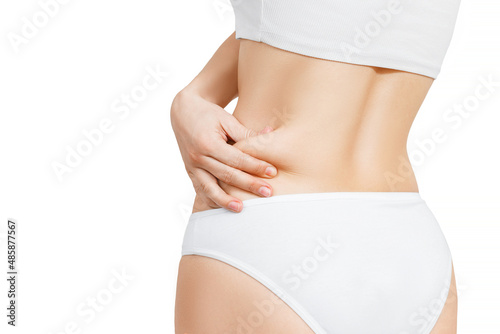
point(330, 253)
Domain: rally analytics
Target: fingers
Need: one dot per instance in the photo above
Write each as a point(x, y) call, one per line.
point(266, 129)
point(233, 157)
point(237, 178)
point(235, 130)
point(208, 189)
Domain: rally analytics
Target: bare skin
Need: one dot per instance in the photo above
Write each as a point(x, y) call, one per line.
point(336, 127)
point(203, 129)
point(213, 297)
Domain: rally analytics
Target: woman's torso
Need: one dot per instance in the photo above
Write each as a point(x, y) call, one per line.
point(337, 126)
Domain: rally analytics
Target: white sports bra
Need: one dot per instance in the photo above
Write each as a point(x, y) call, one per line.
point(407, 35)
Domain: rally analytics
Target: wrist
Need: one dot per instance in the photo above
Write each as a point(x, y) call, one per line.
point(192, 89)
point(182, 98)
point(214, 93)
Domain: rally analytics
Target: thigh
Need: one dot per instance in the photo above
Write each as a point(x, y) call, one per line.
point(216, 298)
point(447, 321)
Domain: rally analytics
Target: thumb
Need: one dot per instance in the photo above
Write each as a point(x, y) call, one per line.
point(237, 131)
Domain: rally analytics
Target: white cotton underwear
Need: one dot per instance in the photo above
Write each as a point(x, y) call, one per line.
point(345, 262)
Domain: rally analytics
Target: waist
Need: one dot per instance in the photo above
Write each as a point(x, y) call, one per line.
point(329, 162)
point(337, 127)
point(309, 160)
point(326, 200)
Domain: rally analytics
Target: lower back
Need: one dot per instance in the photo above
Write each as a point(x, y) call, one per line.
point(337, 126)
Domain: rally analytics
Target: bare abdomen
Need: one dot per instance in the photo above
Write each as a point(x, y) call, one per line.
point(338, 127)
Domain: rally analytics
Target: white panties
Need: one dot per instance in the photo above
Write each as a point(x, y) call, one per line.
point(345, 262)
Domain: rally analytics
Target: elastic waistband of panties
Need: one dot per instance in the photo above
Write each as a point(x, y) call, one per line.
point(306, 197)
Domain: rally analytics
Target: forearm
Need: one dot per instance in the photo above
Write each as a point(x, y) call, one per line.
point(218, 80)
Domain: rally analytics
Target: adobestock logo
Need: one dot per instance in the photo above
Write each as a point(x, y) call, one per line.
point(225, 6)
point(255, 319)
point(322, 252)
point(372, 29)
point(30, 27)
point(422, 318)
point(453, 118)
point(88, 310)
point(122, 107)
point(222, 7)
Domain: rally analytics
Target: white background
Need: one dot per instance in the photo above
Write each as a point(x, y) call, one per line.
point(126, 205)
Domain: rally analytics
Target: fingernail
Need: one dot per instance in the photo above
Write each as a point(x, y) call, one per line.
point(271, 171)
point(265, 191)
point(235, 206)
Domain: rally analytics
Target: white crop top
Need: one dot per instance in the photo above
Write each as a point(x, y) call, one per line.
point(407, 35)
